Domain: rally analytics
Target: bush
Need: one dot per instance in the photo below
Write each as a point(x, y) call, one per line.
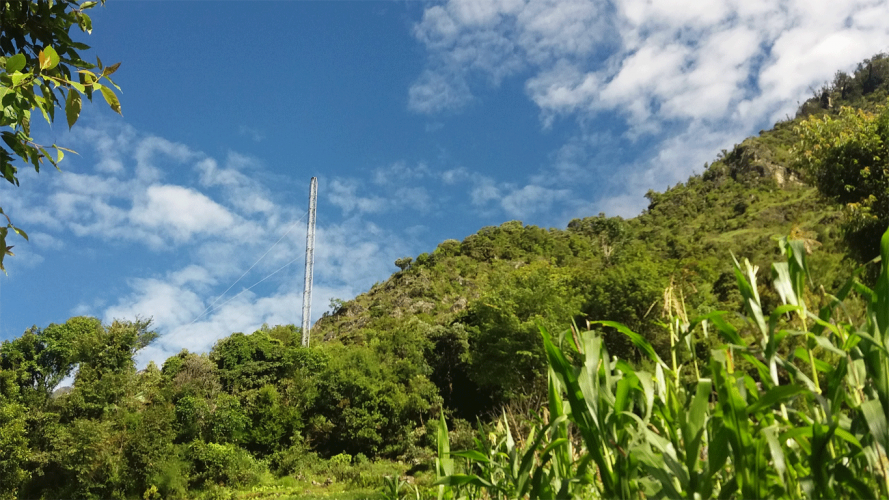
point(298, 459)
point(171, 478)
point(224, 464)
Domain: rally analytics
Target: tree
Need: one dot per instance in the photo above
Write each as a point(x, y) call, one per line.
point(248, 361)
point(404, 263)
point(38, 61)
point(507, 357)
point(106, 366)
point(14, 451)
point(41, 359)
point(847, 159)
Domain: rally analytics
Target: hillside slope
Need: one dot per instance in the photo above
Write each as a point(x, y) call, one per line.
point(455, 331)
point(477, 303)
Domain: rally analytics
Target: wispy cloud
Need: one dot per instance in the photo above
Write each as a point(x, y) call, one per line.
point(531, 199)
point(687, 79)
point(435, 92)
point(252, 133)
point(219, 222)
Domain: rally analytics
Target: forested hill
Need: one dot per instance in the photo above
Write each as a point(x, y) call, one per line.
point(475, 305)
point(454, 332)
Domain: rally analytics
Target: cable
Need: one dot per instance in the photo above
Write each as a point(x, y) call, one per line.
point(246, 289)
point(248, 270)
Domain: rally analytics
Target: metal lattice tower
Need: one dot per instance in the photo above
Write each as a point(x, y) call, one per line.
point(310, 261)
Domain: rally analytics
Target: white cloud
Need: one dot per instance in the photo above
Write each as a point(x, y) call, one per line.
point(435, 92)
point(484, 191)
point(454, 175)
point(189, 309)
point(181, 212)
point(344, 194)
point(151, 150)
point(252, 133)
point(392, 188)
point(242, 191)
point(226, 229)
point(42, 240)
point(163, 301)
point(400, 173)
point(687, 78)
point(530, 200)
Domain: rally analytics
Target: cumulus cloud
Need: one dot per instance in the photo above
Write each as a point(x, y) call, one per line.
point(236, 252)
point(243, 191)
point(686, 78)
point(252, 133)
point(181, 212)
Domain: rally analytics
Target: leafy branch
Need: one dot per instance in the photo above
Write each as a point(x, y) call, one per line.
point(38, 64)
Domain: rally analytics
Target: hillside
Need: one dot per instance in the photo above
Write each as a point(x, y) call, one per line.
point(476, 304)
point(455, 331)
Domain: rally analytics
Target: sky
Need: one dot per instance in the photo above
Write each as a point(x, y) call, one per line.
point(423, 121)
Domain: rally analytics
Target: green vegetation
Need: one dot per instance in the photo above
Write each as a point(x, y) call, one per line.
point(759, 396)
point(810, 423)
point(847, 158)
point(38, 59)
point(232, 419)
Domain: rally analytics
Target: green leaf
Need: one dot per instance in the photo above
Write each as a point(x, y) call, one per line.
point(445, 463)
point(21, 233)
point(3, 245)
point(637, 339)
point(48, 57)
point(783, 284)
point(86, 82)
point(18, 78)
point(876, 421)
point(15, 63)
point(47, 104)
point(84, 21)
point(750, 294)
point(464, 479)
point(78, 86)
point(108, 78)
point(109, 70)
point(774, 397)
point(882, 290)
point(88, 5)
point(111, 98)
point(474, 455)
point(581, 413)
point(693, 429)
point(771, 435)
point(72, 107)
point(826, 344)
point(848, 479)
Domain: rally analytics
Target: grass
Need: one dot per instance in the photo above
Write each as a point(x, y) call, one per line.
point(305, 490)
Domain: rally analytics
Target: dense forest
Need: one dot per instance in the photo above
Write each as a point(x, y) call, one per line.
point(456, 331)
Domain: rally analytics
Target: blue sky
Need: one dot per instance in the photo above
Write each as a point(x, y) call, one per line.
point(422, 120)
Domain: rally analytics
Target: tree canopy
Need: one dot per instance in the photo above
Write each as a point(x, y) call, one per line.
point(847, 158)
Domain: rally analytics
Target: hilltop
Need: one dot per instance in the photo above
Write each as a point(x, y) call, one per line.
point(476, 305)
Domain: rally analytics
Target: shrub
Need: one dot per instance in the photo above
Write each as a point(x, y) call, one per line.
point(224, 464)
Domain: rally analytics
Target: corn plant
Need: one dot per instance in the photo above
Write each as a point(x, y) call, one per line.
point(793, 404)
